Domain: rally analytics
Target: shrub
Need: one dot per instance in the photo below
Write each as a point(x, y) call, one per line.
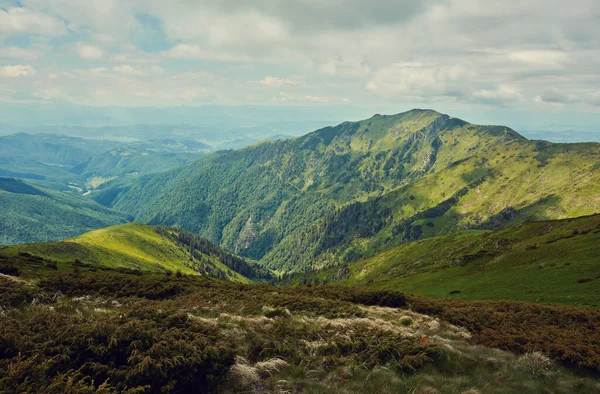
point(565, 333)
point(10, 270)
point(535, 363)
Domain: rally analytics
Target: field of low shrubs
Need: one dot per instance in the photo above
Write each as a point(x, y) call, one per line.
point(79, 329)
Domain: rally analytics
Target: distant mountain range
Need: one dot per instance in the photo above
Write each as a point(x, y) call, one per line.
point(31, 213)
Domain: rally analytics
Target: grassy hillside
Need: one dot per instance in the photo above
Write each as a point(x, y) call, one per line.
point(105, 331)
point(132, 162)
point(547, 261)
point(32, 213)
point(145, 248)
point(346, 192)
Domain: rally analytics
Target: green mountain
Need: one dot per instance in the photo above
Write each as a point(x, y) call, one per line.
point(346, 192)
point(545, 261)
point(32, 213)
point(124, 163)
point(145, 248)
point(80, 165)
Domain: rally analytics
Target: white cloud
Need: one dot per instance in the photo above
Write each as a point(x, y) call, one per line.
point(540, 57)
point(127, 69)
point(16, 71)
point(246, 29)
point(317, 99)
point(419, 80)
point(501, 94)
point(279, 82)
point(190, 51)
point(23, 20)
point(463, 52)
point(89, 52)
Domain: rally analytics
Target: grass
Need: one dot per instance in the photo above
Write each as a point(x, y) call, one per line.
point(132, 245)
point(106, 331)
point(545, 261)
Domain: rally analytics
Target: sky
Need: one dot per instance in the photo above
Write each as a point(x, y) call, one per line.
point(533, 62)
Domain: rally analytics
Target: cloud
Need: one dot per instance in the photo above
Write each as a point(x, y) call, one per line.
point(419, 80)
point(556, 96)
point(127, 69)
point(22, 20)
point(278, 82)
point(19, 53)
point(344, 68)
point(502, 94)
point(190, 51)
point(540, 57)
point(448, 53)
point(594, 99)
point(16, 71)
point(89, 52)
point(317, 99)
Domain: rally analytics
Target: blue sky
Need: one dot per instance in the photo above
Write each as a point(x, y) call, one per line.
point(520, 62)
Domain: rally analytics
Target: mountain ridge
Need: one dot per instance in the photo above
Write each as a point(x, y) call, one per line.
point(140, 247)
point(402, 171)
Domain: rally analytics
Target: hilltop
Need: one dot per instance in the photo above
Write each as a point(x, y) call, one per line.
point(346, 192)
point(141, 247)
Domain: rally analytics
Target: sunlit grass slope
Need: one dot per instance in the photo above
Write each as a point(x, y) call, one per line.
point(134, 246)
point(547, 261)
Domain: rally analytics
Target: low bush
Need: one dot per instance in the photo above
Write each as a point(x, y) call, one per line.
point(565, 333)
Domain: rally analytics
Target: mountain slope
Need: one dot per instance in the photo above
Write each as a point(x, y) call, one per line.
point(146, 248)
point(31, 213)
point(546, 261)
point(345, 192)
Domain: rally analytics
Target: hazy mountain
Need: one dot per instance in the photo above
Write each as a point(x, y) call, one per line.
point(567, 136)
point(80, 164)
point(31, 213)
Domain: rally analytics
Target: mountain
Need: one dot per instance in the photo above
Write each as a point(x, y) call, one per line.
point(46, 158)
point(127, 162)
point(82, 165)
point(567, 136)
point(32, 213)
point(345, 192)
point(145, 248)
point(545, 261)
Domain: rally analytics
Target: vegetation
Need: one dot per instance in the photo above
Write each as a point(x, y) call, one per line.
point(70, 163)
point(346, 192)
point(546, 261)
point(141, 247)
point(79, 329)
point(32, 213)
